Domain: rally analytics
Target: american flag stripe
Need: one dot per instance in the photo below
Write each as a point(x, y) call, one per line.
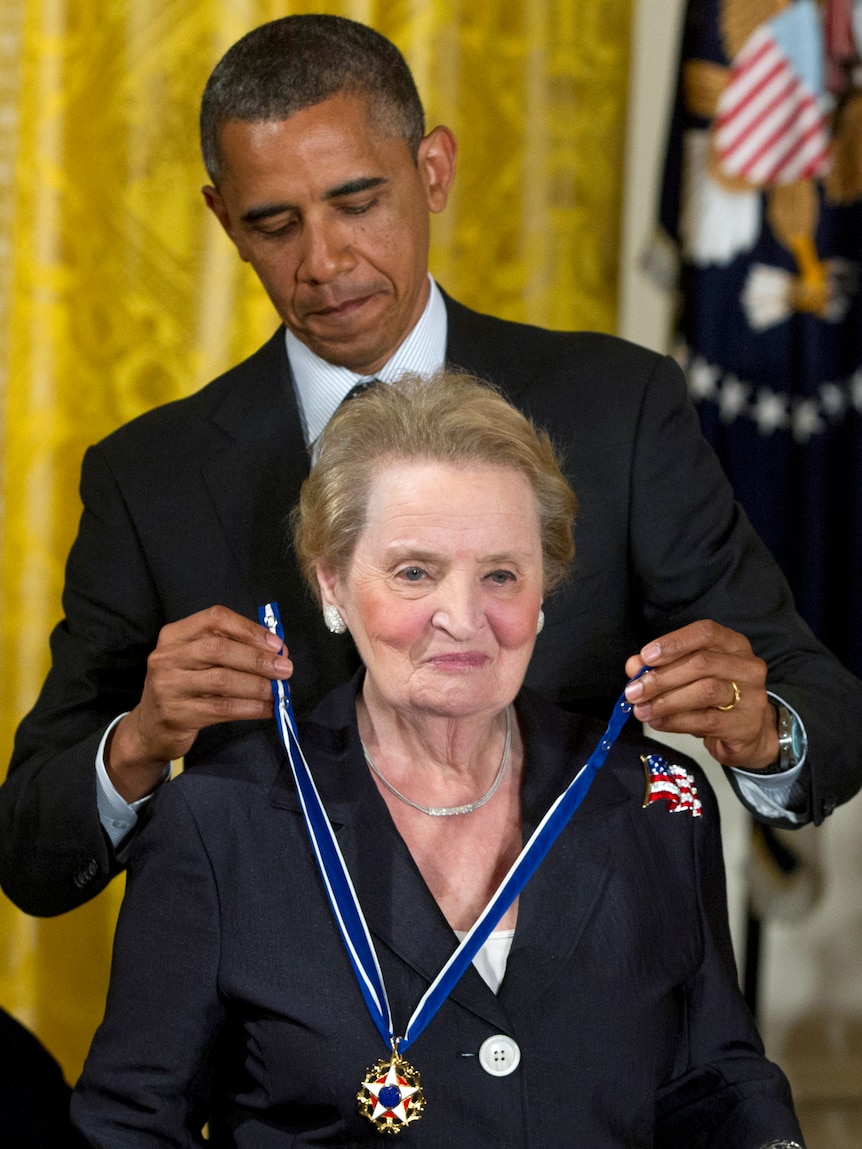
point(769, 126)
point(758, 115)
point(753, 88)
point(663, 792)
point(753, 71)
point(799, 153)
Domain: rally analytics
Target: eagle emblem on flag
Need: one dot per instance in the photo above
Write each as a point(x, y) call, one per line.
point(666, 782)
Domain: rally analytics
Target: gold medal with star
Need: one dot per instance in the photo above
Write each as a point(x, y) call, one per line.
point(391, 1096)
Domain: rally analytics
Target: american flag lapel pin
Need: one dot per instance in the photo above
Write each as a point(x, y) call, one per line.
point(666, 782)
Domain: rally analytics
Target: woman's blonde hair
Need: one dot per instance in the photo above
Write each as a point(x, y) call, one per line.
point(448, 418)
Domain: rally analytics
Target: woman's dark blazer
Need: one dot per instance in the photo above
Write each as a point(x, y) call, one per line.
point(231, 994)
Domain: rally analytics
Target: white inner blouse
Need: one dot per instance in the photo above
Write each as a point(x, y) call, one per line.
point(491, 959)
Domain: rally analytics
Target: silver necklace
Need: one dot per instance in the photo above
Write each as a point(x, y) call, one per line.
point(449, 811)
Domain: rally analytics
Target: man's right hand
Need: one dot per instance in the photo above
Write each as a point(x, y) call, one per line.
point(215, 666)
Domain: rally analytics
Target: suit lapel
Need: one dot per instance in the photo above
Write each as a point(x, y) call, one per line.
point(255, 479)
point(563, 895)
point(487, 348)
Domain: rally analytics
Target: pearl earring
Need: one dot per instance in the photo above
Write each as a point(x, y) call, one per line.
point(540, 621)
point(334, 622)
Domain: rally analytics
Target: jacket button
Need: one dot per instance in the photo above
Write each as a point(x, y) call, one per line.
point(87, 872)
point(828, 806)
point(499, 1055)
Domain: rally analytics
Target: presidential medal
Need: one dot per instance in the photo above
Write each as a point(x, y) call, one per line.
point(391, 1096)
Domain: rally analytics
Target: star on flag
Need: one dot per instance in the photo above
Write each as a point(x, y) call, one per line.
point(770, 411)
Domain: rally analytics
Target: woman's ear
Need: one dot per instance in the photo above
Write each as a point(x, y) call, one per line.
point(328, 583)
point(327, 580)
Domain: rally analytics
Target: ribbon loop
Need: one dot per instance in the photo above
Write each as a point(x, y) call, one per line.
point(342, 895)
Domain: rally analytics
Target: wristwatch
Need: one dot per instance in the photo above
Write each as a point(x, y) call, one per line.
point(792, 740)
point(791, 745)
point(782, 1145)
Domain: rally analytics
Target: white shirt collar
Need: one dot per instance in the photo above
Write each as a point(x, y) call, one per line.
point(320, 386)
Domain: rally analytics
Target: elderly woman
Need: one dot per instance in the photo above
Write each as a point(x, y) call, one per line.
point(280, 932)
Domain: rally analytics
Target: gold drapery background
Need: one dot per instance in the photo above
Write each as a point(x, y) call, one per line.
point(118, 290)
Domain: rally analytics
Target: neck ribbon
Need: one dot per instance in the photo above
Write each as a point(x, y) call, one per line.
point(342, 895)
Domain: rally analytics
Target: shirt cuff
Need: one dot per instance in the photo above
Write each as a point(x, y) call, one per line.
point(118, 817)
point(772, 795)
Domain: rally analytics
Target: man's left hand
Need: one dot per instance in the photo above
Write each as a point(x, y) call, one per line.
point(695, 672)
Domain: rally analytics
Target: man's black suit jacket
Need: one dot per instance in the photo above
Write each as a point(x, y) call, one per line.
point(185, 508)
point(232, 994)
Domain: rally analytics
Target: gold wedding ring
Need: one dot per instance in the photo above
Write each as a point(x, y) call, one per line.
point(736, 697)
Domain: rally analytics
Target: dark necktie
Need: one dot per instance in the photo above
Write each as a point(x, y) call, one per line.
point(356, 389)
point(359, 388)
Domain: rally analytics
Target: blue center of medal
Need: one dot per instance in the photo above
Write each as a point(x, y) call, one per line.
point(389, 1096)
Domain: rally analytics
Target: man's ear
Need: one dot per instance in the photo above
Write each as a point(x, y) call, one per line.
point(436, 163)
point(218, 207)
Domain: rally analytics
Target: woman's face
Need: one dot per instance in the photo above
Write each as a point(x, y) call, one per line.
point(444, 588)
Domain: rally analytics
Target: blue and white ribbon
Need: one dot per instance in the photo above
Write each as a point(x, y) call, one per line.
point(342, 895)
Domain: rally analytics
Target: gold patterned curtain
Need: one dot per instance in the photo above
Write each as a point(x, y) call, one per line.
point(118, 291)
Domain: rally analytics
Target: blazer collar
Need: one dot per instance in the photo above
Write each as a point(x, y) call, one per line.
point(400, 910)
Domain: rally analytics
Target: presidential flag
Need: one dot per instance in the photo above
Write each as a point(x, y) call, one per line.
point(762, 200)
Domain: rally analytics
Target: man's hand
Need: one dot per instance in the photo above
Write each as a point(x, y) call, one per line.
point(695, 670)
point(214, 666)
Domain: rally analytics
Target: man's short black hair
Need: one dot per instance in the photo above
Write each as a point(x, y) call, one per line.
point(296, 62)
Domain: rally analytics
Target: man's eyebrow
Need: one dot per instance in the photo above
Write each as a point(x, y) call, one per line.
point(352, 187)
point(265, 211)
point(364, 183)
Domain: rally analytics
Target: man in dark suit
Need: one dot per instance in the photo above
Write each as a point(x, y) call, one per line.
point(323, 177)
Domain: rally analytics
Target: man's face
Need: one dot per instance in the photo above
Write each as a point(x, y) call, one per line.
point(333, 217)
